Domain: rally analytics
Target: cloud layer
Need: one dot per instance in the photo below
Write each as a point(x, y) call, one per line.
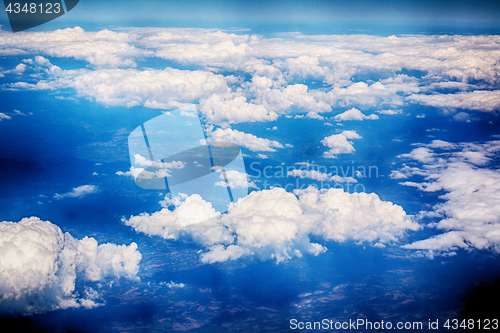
point(248, 78)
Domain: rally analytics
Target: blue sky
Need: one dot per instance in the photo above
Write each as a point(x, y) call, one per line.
point(323, 15)
point(369, 132)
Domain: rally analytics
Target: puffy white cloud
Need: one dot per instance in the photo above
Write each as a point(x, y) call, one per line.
point(275, 224)
point(246, 140)
point(470, 213)
point(354, 114)
point(78, 192)
point(314, 115)
point(357, 216)
point(42, 267)
point(339, 144)
point(360, 93)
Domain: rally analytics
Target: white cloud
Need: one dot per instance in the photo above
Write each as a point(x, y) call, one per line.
point(4, 116)
point(351, 135)
point(339, 144)
point(161, 168)
point(135, 172)
point(420, 154)
point(234, 108)
point(78, 192)
point(275, 224)
point(42, 268)
point(390, 112)
point(163, 223)
point(461, 116)
point(170, 88)
point(314, 115)
point(173, 285)
point(19, 69)
point(354, 114)
point(188, 114)
point(441, 144)
point(103, 48)
point(470, 214)
point(246, 140)
point(219, 253)
point(362, 94)
point(236, 180)
point(357, 216)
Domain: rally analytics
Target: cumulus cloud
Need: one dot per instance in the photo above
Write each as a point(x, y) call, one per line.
point(78, 192)
point(44, 269)
point(469, 216)
point(163, 223)
point(275, 224)
point(354, 114)
point(339, 143)
point(246, 140)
